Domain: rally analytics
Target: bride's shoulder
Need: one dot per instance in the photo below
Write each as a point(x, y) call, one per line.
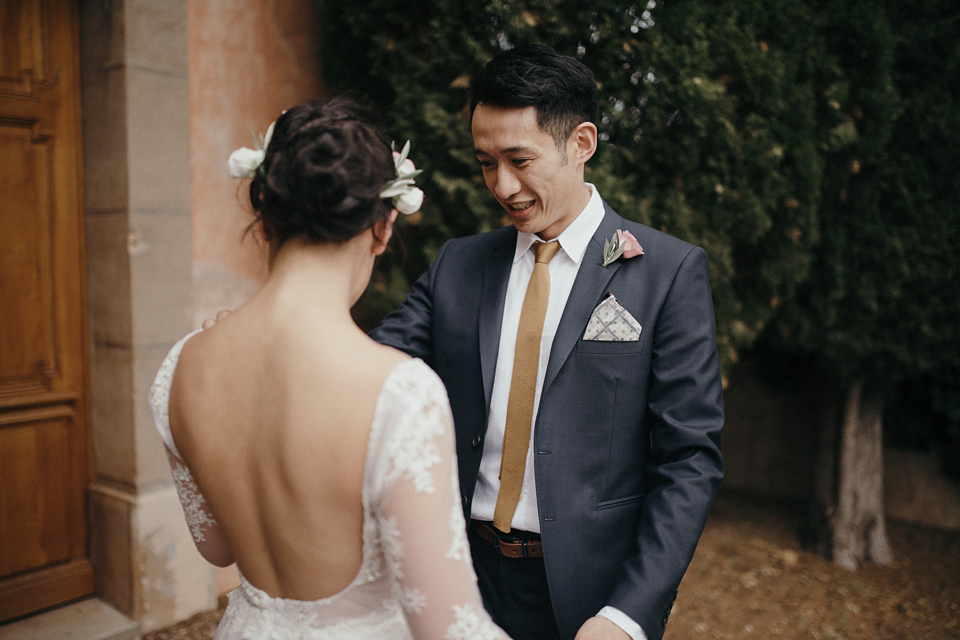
point(193, 351)
point(413, 382)
point(389, 356)
point(176, 351)
point(411, 420)
point(171, 362)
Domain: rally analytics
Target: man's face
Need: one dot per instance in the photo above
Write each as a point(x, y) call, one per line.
point(541, 190)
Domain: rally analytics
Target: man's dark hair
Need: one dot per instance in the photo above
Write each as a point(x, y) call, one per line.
point(560, 87)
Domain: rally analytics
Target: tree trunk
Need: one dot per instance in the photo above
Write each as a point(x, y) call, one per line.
point(859, 528)
point(817, 533)
point(846, 516)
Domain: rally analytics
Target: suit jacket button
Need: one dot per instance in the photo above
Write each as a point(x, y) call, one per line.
point(476, 441)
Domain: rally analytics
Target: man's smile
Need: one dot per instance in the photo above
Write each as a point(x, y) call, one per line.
point(520, 208)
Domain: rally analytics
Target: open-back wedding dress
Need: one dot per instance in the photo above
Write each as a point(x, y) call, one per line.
point(416, 579)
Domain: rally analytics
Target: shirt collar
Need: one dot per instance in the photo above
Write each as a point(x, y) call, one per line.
point(575, 238)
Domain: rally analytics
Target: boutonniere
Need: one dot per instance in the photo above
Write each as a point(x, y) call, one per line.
point(622, 244)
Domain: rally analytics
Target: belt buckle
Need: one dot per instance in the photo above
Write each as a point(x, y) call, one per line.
point(497, 538)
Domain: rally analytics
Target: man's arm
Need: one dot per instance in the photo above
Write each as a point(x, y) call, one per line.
point(601, 628)
point(683, 473)
point(410, 327)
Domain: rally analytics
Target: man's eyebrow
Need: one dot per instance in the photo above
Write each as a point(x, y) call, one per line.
point(519, 149)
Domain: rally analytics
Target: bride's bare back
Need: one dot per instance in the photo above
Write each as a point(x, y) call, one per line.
point(267, 417)
point(271, 410)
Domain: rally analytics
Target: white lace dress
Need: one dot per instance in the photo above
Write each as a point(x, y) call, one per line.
point(416, 579)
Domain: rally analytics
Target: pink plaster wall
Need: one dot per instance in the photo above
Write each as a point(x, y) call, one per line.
point(248, 60)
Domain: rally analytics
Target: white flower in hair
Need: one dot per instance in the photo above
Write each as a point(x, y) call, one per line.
point(406, 197)
point(244, 162)
point(409, 202)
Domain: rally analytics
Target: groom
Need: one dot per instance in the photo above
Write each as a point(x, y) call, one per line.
point(586, 396)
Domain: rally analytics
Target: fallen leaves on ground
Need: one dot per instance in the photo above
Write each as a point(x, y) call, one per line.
point(750, 578)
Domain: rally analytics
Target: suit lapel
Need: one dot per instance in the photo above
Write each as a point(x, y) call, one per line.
point(495, 275)
point(588, 288)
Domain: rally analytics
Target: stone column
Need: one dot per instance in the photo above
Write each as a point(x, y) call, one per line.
point(137, 183)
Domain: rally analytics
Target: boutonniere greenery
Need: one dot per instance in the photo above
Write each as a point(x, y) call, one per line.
point(621, 245)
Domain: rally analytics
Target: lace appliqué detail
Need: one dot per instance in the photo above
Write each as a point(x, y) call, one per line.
point(194, 505)
point(459, 545)
point(392, 546)
point(415, 453)
point(471, 624)
point(159, 396)
point(372, 568)
point(408, 443)
point(411, 599)
point(253, 614)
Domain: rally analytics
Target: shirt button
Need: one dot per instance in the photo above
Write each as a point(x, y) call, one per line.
point(464, 498)
point(476, 441)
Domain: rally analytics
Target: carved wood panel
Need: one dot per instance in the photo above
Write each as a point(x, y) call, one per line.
point(27, 363)
point(44, 426)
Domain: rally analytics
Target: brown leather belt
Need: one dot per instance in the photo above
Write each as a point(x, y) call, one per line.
point(506, 545)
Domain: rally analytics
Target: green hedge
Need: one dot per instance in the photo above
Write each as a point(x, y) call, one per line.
point(811, 147)
point(708, 127)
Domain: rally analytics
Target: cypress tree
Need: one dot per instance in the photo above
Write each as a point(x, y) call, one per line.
point(707, 128)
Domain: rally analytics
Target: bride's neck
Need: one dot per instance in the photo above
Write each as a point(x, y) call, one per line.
point(322, 280)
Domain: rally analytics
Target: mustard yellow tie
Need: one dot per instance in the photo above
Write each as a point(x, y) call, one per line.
point(523, 385)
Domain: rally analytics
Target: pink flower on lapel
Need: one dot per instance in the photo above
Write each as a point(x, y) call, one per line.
point(622, 244)
point(631, 247)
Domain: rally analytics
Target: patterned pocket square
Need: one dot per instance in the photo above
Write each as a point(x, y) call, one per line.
point(610, 322)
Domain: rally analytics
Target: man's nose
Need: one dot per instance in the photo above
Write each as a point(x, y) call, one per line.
point(506, 184)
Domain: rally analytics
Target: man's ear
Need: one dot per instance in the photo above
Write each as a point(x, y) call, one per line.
point(583, 140)
point(382, 232)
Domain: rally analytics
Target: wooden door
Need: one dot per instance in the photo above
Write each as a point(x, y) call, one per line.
point(45, 449)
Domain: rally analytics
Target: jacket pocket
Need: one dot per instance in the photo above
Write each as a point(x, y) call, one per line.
point(620, 502)
point(610, 347)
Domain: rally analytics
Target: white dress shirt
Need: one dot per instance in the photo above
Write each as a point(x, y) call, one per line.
point(563, 271)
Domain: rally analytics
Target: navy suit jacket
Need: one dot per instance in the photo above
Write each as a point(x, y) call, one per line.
point(627, 436)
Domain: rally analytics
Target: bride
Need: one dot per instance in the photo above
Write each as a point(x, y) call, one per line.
point(318, 461)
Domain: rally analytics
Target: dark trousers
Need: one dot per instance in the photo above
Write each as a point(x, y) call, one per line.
point(514, 591)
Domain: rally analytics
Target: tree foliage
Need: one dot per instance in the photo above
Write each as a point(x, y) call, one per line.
point(707, 126)
point(811, 147)
point(881, 301)
point(879, 308)
point(807, 146)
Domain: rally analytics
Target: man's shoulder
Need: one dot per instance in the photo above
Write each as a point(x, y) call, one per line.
point(502, 234)
point(655, 237)
point(654, 241)
point(502, 238)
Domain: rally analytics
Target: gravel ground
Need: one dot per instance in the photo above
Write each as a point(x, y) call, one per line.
point(751, 579)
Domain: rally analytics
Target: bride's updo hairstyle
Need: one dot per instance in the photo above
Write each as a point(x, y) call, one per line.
point(322, 173)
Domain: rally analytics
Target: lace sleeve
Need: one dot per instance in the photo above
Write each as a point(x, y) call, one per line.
point(203, 527)
point(420, 519)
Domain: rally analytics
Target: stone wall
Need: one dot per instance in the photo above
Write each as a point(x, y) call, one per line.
point(770, 440)
point(248, 60)
point(169, 89)
point(137, 212)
